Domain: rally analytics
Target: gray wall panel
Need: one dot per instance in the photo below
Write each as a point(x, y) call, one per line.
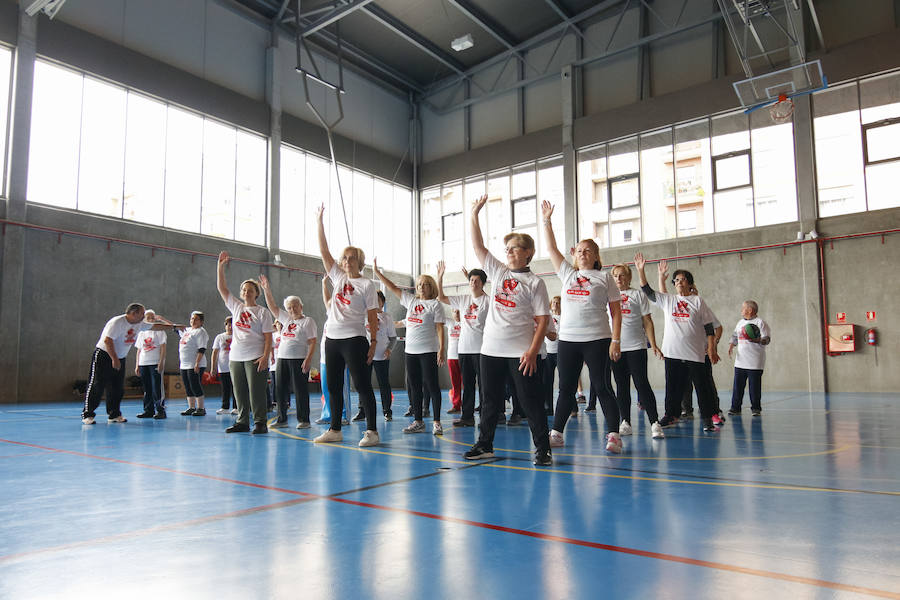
point(9, 21)
point(444, 134)
point(494, 120)
point(235, 52)
point(681, 61)
point(172, 31)
point(543, 104)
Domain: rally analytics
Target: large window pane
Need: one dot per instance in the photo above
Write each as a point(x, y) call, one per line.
point(403, 230)
point(250, 189)
point(184, 169)
point(102, 157)
point(732, 172)
point(217, 202)
point(624, 192)
point(881, 183)
point(658, 186)
point(839, 155)
point(774, 178)
point(431, 229)
point(383, 223)
point(341, 209)
point(5, 66)
point(362, 211)
point(318, 176)
point(550, 188)
point(495, 218)
point(145, 160)
point(734, 209)
point(593, 202)
point(693, 178)
point(291, 213)
point(451, 222)
point(473, 190)
point(55, 136)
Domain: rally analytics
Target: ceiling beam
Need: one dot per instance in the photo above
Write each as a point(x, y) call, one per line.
point(559, 10)
point(485, 22)
point(404, 31)
point(336, 14)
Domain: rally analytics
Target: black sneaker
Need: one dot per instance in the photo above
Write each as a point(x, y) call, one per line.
point(479, 452)
point(708, 425)
point(360, 416)
point(464, 422)
point(542, 458)
point(408, 412)
point(734, 411)
point(260, 428)
point(686, 414)
point(389, 416)
point(188, 412)
point(514, 420)
point(145, 415)
point(756, 413)
point(590, 409)
point(160, 415)
point(667, 421)
point(237, 428)
point(200, 412)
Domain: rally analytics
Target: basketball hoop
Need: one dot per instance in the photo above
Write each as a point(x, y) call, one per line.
point(782, 110)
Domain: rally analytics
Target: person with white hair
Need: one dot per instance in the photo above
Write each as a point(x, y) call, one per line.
point(295, 356)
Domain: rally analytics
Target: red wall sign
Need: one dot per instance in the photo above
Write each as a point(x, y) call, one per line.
point(842, 317)
point(870, 315)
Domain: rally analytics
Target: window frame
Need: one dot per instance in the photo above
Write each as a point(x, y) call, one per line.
point(733, 154)
point(865, 143)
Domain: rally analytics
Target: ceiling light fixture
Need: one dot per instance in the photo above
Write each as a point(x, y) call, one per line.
point(462, 43)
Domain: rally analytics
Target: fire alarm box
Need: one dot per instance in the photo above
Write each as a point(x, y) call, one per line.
point(841, 338)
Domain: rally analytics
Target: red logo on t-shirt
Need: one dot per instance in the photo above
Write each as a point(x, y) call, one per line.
point(455, 331)
point(347, 290)
point(472, 311)
point(130, 337)
point(227, 345)
point(625, 309)
point(682, 309)
point(510, 285)
point(418, 309)
point(289, 331)
point(580, 287)
point(148, 345)
point(245, 320)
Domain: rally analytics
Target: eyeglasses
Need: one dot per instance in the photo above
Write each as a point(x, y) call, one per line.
point(510, 249)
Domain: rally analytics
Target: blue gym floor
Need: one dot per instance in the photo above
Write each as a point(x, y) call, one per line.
point(803, 502)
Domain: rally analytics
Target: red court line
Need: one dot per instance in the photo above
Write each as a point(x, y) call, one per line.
point(532, 534)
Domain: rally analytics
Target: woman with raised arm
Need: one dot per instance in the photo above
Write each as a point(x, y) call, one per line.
point(353, 303)
point(688, 337)
point(426, 347)
point(585, 336)
point(473, 309)
point(637, 331)
point(294, 359)
point(251, 349)
point(513, 332)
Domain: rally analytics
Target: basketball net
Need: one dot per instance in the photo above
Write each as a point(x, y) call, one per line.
point(782, 110)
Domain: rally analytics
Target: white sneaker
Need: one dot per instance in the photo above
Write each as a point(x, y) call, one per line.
point(656, 431)
point(303, 425)
point(556, 439)
point(369, 438)
point(613, 443)
point(234, 411)
point(625, 428)
point(119, 419)
point(330, 436)
point(436, 428)
point(222, 411)
point(415, 427)
point(88, 421)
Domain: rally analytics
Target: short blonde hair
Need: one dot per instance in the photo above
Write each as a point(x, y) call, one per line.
point(624, 267)
point(254, 283)
point(522, 239)
point(360, 255)
point(430, 281)
point(598, 264)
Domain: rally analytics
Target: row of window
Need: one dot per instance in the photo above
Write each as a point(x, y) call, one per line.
point(720, 173)
point(103, 149)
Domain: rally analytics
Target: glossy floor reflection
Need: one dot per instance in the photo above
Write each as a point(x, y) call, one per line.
point(799, 503)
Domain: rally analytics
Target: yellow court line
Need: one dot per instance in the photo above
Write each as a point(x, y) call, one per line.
point(672, 459)
point(587, 474)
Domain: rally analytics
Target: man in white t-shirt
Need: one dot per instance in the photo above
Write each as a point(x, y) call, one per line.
point(751, 358)
point(108, 362)
point(473, 309)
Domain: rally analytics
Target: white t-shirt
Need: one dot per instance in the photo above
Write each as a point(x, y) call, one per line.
point(453, 347)
point(350, 301)
point(149, 345)
point(685, 316)
point(276, 343)
point(585, 295)
point(386, 331)
point(249, 326)
point(749, 354)
point(516, 299)
point(222, 343)
point(472, 315)
point(553, 346)
point(192, 340)
point(545, 343)
point(295, 335)
point(421, 317)
point(123, 334)
point(634, 306)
